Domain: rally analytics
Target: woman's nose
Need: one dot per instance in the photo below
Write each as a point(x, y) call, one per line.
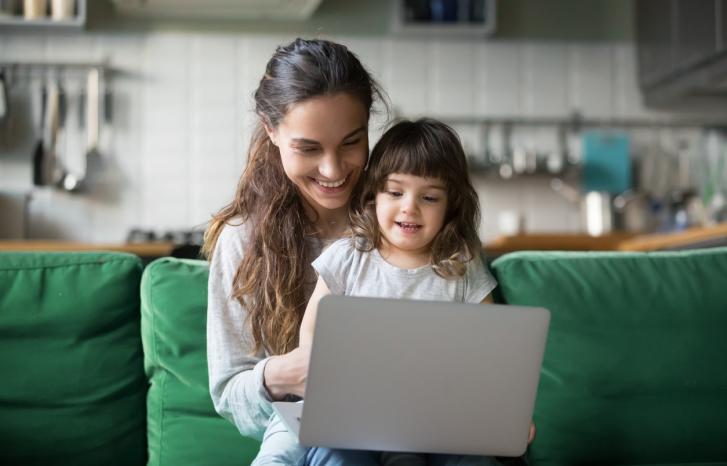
point(330, 166)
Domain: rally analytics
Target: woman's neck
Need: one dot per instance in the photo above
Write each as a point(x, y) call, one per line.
point(330, 224)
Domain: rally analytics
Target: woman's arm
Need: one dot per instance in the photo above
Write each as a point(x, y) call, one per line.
point(309, 318)
point(242, 385)
point(488, 299)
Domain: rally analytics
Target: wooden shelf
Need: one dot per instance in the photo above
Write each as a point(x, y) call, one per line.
point(20, 23)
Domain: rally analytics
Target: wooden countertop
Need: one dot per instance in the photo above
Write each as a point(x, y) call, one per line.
point(675, 240)
point(618, 241)
point(155, 249)
point(555, 242)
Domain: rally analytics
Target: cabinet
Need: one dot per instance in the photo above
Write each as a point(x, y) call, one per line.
point(682, 52)
point(444, 17)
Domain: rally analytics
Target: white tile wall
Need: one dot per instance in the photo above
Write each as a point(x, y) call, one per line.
point(183, 116)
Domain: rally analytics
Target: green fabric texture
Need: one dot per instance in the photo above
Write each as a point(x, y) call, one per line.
point(183, 427)
point(635, 368)
point(73, 386)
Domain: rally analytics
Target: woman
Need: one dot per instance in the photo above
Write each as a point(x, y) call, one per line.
point(305, 157)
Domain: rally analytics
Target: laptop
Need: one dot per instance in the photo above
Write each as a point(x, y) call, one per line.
point(420, 376)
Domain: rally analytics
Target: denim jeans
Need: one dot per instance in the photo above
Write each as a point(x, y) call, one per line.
point(281, 447)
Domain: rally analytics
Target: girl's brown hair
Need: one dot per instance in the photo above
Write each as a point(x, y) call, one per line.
point(431, 149)
point(270, 281)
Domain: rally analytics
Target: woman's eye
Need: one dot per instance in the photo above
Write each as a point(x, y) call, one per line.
point(307, 150)
point(394, 193)
point(352, 143)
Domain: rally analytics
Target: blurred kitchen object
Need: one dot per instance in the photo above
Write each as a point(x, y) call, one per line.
point(4, 102)
point(8, 8)
point(606, 161)
point(35, 9)
point(596, 208)
point(712, 176)
point(13, 215)
point(62, 9)
point(510, 223)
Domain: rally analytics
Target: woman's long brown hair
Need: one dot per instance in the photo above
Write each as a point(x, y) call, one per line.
point(431, 149)
point(270, 280)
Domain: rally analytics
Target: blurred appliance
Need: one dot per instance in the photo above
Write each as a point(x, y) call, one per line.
point(187, 244)
point(220, 9)
point(13, 215)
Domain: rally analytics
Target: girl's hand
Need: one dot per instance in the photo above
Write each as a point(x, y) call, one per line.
point(531, 434)
point(287, 373)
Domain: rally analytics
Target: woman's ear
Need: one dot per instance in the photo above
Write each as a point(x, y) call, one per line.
point(271, 134)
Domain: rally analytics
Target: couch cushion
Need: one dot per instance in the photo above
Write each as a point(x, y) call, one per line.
point(73, 385)
point(635, 370)
point(183, 425)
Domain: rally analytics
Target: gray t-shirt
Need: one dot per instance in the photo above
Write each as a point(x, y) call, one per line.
point(348, 271)
point(235, 376)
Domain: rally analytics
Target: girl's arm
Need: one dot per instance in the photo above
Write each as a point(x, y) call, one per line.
point(309, 318)
point(488, 299)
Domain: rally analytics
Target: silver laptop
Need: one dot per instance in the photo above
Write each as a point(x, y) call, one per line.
point(420, 376)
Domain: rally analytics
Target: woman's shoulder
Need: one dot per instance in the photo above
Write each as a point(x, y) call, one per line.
point(233, 236)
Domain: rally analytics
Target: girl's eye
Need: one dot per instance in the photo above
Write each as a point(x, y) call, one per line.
point(394, 193)
point(431, 198)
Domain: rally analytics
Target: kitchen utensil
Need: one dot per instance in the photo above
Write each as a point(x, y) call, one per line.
point(38, 149)
point(51, 169)
point(80, 179)
point(4, 105)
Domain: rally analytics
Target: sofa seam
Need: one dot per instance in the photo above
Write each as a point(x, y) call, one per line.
point(57, 266)
point(163, 382)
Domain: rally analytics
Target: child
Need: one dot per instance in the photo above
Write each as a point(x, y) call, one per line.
point(414, 235)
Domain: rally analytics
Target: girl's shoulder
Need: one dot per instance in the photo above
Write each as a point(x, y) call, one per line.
point(340, 246)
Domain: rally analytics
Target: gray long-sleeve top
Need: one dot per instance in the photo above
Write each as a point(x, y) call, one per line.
point(235, 376)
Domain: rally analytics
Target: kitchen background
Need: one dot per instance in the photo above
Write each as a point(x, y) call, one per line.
point(533, 102)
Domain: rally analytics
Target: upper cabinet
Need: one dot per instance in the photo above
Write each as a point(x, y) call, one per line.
point(682, 52)
point(454, 18)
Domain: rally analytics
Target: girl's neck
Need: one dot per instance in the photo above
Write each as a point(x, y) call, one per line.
point(404, 259)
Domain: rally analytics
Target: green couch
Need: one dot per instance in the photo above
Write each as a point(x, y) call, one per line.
point(103, 362)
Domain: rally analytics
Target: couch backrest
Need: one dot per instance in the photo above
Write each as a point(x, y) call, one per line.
point(73, 386)
point(635, 370)
point(183, 426)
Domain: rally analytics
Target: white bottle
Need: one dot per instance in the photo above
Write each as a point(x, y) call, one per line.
point(62, 10)
point(35, 9)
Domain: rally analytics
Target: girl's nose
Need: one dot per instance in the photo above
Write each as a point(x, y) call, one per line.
point(409, 204)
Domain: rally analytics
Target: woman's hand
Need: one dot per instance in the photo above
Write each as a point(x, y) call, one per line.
point(531, 434)
point(287, 373)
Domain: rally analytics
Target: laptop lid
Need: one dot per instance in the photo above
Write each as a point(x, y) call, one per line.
point(440, 377)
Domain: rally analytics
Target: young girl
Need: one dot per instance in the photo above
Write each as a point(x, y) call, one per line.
point(414, 225)
point(414, 235)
